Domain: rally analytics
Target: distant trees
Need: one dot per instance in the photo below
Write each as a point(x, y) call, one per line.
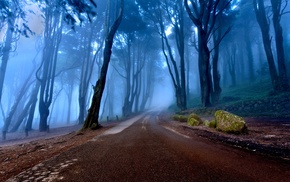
point(10, 12)
point(169, 16)
point(133, 48)
point(54, 17)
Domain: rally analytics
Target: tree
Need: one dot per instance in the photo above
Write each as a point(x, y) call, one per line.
point(279, 78)
point(219, 33)
point(55, 12)
point(10, 12)
point(203, 14)
point(92, 120)
point(167, 15)
point(47, 71)
point(133, 41)
point(277, 10)
point(13, 109)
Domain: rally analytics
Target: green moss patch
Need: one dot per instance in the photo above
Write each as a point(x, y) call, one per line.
point(230, 123)
point(179, 118)
point(194, 120)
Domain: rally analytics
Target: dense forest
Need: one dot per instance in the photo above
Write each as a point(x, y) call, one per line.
point(66, 62)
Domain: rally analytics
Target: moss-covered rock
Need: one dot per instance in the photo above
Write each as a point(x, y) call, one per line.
point(230, 123)
point(212, 124)
point(179, 118)
point(206, 123)
point(194, 120)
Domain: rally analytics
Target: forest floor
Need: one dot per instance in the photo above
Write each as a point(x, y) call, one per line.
point(266, 136)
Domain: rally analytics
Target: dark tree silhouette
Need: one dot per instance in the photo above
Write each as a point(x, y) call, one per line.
point(92, 120)
point(203, 14)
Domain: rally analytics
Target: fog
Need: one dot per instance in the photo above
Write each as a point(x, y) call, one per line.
point(160, 59)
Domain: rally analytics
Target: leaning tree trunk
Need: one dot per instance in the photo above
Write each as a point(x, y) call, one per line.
point(13, 109)
point(93, 114)
point(30, 105)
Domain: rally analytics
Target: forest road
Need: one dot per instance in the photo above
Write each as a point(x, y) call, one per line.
point(146, 151)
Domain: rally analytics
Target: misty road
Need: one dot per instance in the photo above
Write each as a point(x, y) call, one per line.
point(146, 151)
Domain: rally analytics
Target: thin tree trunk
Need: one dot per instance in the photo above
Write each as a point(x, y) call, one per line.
point(249, 55)
point(6, 53)
point(13, 109)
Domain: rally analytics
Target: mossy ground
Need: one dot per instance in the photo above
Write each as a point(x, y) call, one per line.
point(249, 100)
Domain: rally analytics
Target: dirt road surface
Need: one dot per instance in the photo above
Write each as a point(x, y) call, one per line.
point(141, 150)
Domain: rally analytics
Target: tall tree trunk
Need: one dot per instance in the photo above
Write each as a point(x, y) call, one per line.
point(126, 109)
point(265, 29)
point(276, 8)
point(232, 69)
point(204, 69)
point(52, 36)
point(250, 57)
point(215, 73)
point(6, 53)
point(92, 120)
point(86, 74)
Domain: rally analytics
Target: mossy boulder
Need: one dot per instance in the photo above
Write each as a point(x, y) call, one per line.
point(212, 124)
point(180, 118)
point(206, 123)
point(230, 123)
point(194, 120)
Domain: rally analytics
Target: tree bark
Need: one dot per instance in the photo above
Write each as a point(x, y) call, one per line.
point(276, 8)
point(204, 69)
point(92, 120)
point(215, 73)
point(265, 29)
point(6, 53)
point(52, 38)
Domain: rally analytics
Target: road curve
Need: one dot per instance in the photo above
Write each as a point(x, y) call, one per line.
point(145, 151)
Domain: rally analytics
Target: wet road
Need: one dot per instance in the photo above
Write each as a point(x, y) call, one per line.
point(146, 151)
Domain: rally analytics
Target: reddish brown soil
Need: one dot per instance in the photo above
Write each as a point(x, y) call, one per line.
point(19, 155)
point(265, 136)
